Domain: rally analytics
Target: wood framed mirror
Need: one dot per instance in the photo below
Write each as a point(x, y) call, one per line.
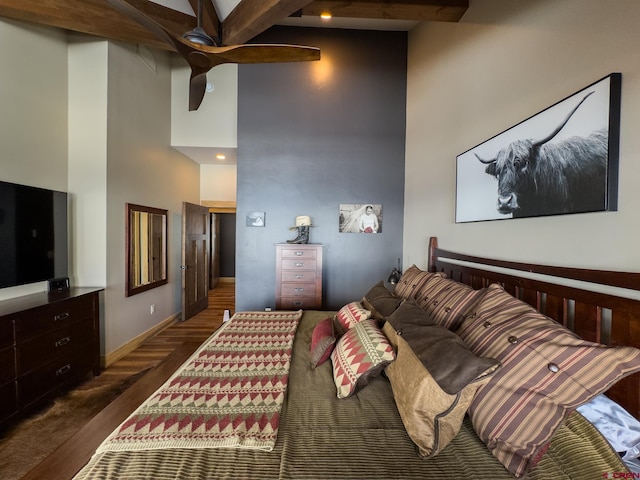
point(146, 236)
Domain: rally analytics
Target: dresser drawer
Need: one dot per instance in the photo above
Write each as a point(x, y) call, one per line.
point(298, 252)
point(38, 321)
point(7, 365)
point(298, 290)
point(8, 400)
point(299, 276)
point(296, 303)
point(299, 264)
point(43, 380)
point(36, 351)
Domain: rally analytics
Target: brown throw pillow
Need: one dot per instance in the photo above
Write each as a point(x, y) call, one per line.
point(380, 301)
point(432, 417)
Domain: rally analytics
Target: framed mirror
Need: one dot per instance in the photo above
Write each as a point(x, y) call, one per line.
point(146, 236)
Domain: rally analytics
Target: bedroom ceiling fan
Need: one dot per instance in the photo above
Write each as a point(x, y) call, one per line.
point(202, 52)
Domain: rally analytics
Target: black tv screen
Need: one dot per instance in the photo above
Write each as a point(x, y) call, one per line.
point(33, 234)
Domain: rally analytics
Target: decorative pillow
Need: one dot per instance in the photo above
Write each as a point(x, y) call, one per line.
point(547, 372)
point(322, 342)
point(413, 281)
point(452, 365)
point(431, 416)
point(360, 355)
point(448, 301)
point(380, 301)
point(349, 315)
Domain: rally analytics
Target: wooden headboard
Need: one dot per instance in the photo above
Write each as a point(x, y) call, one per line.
point(593, 315)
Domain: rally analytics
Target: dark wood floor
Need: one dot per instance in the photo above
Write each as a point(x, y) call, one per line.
point(162, 354)
point(156, 349)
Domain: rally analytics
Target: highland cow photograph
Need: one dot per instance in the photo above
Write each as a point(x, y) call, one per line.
point(562, 160)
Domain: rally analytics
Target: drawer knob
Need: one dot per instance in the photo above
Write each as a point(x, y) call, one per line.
point(298, 289)
point(61, 316)
point(63, 341)
point(298, 303)
point(63, 370)
point(299, 254)
point(298, 275)
point(299, 264)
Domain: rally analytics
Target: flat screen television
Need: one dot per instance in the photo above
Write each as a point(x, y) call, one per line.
point(33, 234)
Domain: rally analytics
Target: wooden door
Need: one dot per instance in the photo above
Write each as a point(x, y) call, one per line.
point(195, 259)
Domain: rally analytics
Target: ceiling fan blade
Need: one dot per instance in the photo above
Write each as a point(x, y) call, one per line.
point(261, 53)
point(202, 58)
point(197, 87)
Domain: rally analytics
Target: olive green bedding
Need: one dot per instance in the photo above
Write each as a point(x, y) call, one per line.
point(359, 437)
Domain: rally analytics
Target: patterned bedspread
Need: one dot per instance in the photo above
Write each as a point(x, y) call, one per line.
point(358, 438)
point(229, 394)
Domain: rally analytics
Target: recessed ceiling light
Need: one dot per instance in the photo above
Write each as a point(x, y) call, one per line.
point(221, 156)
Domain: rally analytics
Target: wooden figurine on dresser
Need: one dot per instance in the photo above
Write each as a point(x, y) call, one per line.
point(299, 270)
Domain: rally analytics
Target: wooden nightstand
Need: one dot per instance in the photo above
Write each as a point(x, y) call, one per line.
point(298, 276)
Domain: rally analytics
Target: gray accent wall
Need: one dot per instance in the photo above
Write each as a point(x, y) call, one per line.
point(312, 136)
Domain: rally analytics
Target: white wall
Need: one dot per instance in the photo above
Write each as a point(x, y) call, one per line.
point(90, 117)
point(88, 160)
point(215, 123)
point(218, 182)
point(504, 62)
point(142, 168)
point(33, 113)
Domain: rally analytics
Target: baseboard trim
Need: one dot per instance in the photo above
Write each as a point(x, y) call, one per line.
point(227, 279)
point(134, 343)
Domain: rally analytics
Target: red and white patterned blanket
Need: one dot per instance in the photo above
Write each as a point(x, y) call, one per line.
point(228, 394)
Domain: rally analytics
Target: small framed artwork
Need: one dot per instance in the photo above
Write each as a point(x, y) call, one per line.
point(360, 218)
point(561, 160)
point(255, 219)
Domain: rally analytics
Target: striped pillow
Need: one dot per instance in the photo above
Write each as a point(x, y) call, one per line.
point(447, 302)
point(414, 281)
point(547, 371)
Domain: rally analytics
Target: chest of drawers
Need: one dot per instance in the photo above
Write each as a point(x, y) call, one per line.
point(47, 342)
point(298, 276)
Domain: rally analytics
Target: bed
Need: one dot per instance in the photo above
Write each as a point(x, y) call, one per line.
point(373, 430)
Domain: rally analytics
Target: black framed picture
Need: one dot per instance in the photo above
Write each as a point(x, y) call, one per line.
point(562, 160)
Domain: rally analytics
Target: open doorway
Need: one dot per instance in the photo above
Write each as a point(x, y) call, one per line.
point(227, 237)
point(222, 254)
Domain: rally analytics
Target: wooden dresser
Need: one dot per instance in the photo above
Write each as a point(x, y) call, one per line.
point(298, 276)
point(48, 341)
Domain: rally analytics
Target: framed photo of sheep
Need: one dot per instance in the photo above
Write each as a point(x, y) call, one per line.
point(561, 160)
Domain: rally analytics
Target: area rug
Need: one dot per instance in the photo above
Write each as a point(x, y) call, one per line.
point(227, 395)
point(27, 443)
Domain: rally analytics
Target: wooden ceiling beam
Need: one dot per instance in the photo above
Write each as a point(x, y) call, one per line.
point(97, 17)
point(248, 19)
point(420, 10)
point(251, 17)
